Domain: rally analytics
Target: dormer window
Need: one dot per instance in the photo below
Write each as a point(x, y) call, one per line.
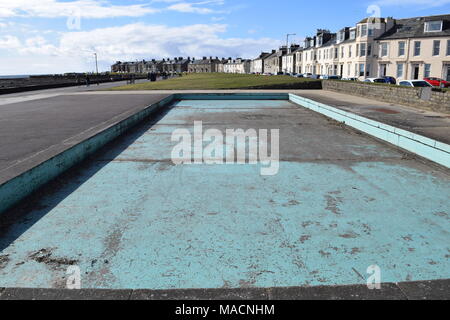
point(433, 26)
point(364, 30)
point(353, 34)
point(341, 36)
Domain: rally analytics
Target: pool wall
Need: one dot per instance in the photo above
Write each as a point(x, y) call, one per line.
point(430, 149)
point(14, 190)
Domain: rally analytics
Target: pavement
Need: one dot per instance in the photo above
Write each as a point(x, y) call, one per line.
point(40, 126)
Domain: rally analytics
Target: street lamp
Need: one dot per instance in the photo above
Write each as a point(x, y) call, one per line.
point(287, 47)
point(96, 62)
point(287, 38)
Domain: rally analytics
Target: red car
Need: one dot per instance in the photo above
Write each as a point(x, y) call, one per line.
point(436, 82)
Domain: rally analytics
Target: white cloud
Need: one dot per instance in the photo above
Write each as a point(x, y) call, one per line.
point(195, 7)
point(189, 8)
point(83, 8)
point(133, 42)
point(9, 42)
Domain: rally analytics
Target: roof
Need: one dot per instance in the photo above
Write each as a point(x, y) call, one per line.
point(272, 55)
point(415, 28)
point(176, 61)
point(330, 42)
point(263, 56)
point(205, 61)
point(372, 19)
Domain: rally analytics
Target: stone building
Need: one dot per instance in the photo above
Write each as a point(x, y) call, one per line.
point(415, 48)
point(257, 65)
point(411, 48)
point(204, 65)
point(273, 64)
point(176, 65)
point(240, 66)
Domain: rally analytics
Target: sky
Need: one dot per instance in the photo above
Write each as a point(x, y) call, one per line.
point(58, 36)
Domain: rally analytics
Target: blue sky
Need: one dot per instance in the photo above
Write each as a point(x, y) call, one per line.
point(54, 36)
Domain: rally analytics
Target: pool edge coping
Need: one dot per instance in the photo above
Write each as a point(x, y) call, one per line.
point(413, 290)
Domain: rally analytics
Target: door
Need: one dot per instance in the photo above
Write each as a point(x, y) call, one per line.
point(382, 70)
point(448, 73)
point(415, 71)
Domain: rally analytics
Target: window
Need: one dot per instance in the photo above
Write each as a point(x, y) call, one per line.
point(401, 48)
point(384, 49)
point(370, 32)
point(400, 70)
point(352, 34)
point(368, 71)
point(436, 47)
point(433, 26)
point(427, 71)
point(448, 47)
point(369, 50)
point(417, 48)
point(405, 83)
point(336, 52)
point(342, 52)
point(350, 50)
point(363, 30)
point(362, 52)
point(361, 70)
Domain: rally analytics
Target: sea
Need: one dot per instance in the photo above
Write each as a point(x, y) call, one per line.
point(19, 76)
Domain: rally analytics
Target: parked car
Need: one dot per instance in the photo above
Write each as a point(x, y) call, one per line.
point(350, 79)
point(307, 75)
point(334, 77)
point(415, 83)
point(390, 80)
point(375, 80)
point(299, 75)
point(437, 82)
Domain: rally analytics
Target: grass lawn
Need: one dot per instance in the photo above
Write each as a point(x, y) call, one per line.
point(211, 81)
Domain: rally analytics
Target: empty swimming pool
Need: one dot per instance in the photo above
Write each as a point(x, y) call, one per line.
point(340, 202)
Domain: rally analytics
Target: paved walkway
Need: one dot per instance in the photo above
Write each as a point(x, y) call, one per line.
point(429, 124)
point(39, 127)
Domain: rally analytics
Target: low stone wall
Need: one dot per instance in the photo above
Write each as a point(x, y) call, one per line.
point(425, 98)
point(303, 85)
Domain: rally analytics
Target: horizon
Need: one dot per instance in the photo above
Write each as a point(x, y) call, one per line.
point(56, 37)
